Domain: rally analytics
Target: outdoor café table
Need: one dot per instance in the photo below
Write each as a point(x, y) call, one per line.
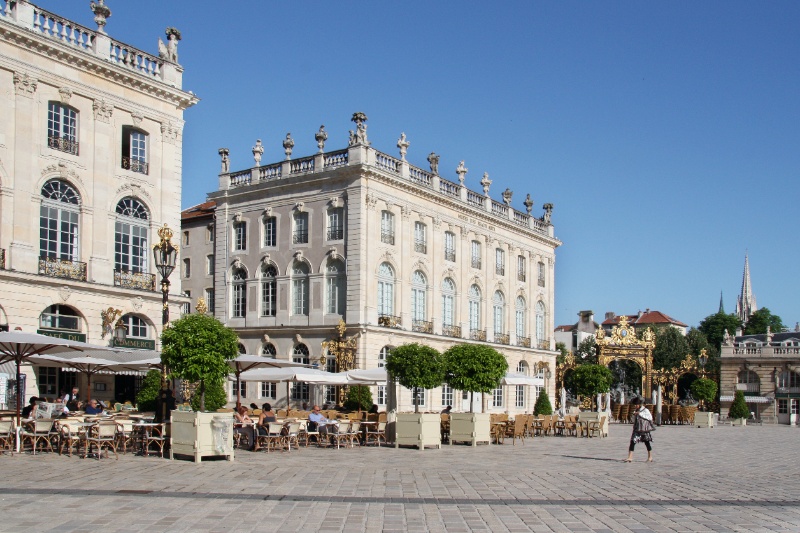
point(580, 425)
point(144, 429)
point(366, 425)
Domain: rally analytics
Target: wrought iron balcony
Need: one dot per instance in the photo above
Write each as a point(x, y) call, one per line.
point(422, 326)
point(387, 237)
point(2, 258)
point(521, 276)
point(135, 280)
point(502, 338)
point(450, 255)
point(335, 234)
point(421, 247)
point(476, 262)
point(541, 282)
point(62, 144)
point(477, 334)
point(544, 344)
point(390, 321)
point(500, 270)
point(524, 341)
point(451, 331)
point(62, 268)
point(134, 165)
point(300, 237)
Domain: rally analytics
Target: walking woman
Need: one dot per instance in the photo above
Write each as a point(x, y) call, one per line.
point(642, 429)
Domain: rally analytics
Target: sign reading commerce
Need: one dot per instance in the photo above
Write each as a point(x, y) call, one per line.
point(67, 335)
point(136, 344)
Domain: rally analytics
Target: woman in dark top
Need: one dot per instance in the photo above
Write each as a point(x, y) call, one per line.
point(265, 417)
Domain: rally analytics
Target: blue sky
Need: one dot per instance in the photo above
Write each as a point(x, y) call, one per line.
point(666, 134)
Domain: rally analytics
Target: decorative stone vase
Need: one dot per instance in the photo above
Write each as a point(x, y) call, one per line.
point(739, 422)
point(703, 419)
point(201, 435)
point(470, 427)
point(418, 429)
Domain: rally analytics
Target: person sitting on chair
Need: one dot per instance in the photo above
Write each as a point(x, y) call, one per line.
point(30, 409)
point(92, 408)
point(318, 422)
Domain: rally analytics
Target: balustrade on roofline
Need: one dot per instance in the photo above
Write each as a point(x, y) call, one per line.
point(396, 167)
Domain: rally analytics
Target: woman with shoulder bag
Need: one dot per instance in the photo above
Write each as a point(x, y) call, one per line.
point(642, 429)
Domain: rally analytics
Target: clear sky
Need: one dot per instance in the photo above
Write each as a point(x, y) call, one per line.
point(666, 134)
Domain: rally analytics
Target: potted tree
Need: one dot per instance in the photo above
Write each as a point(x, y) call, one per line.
point(197, 348)
point(591, 380)
point(473, 368)
point(705, 390)
point(416, 366)
point(542, 405)
point(739, 412)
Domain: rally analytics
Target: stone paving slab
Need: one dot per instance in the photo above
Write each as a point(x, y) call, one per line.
point(721, 479)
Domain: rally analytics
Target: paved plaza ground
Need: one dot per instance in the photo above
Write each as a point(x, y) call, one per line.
point(722, 479)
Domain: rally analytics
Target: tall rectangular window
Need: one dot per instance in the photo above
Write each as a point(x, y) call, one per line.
point(387, 227)
point(269, 390)
point(381, 395)
point(209, 295)
point(420, 238)
point(187, 268)
point(134, 150)
point(520, 268)
point(62, 128)
point(58, 233)
point(475, 254)
point(300, 232)
point(210, 233)
point(130, 247)
point(419, 399)
point(449, 246)
point(240, 236)
point(270, 232)
point(497, 397)
point(185, 238)
point(519, 400)
point(541, 274)
point(336, 224)
point(500, 262)
point(447, 395)
point(210, 265)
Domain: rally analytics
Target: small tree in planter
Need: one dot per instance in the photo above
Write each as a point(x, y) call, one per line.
point(705, 390)
point(542, 406)
point(416, 366)
point(739, 410)
point(359, 398)
point(215, 397)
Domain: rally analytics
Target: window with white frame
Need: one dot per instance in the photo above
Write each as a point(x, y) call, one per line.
point(134, 150)
point(239, 290)
point(448, 302)
point(447, 395)
point(541, 273)
point(519, 397)
point(539, 311)
point(187, 268)
point(130, 237)
point(499, 308)
point(135, 327)
point(300, 232)
point(382, 355)
point(449, 246)
point(62, 128)
point(269, 290)
point(240, 387)
point(387, 227)
point(59, 317)
point(522, 368)
point(268, 350)
point(186, 307)
point(521, 268)
point(300, 391)
point(519, 317)
point(336, 291)
point(240, 236)
point(59, 221)
point(210, 233)
point(475, 254)
point(500, 262)
point(474, 308)
point(269, 391)
point(783, 406)
point(788, 379)
point(385, 290)
point(185, 239)
point(270, 232)
point(210, 265)
point(300, 288)
point(497, 397)
point(336, 224)
point(209, 295)
point(420, 238)
point(419, 398)
point(419, 295)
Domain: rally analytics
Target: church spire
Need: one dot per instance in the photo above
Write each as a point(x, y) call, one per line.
point(721, 307)
point(746, 303)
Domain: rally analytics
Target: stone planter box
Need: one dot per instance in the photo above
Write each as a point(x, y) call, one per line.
point(470, 427)
point(418, 429)
point(739, 422)
point(703, 419)
point(201, 435)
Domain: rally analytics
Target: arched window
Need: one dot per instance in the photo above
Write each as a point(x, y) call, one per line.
point(540, 336)
point(419, 296)
point(269, 290)
point(58, 221)
point(519, 316)
point(130, 237)
point(62, 128)
point(385, 290)
point(522, 368)
point(474, 308)
point(268, 350)
point(748, 381)
point(499, 308)
point(59, 317)
point(239, 288)
point(448, 302)
point(242, 349)
point(788, 380)
point(135, 327)
point(335, 282)
point(300, 288)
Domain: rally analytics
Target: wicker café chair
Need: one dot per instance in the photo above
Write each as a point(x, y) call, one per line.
point(70, 436)
point(39, 431)
point(377, 434)
point(517, 429)
point(102, 435)
point(7, 436)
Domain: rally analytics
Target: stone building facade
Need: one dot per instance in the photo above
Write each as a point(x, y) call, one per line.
point(90, 168)
point(399, 253)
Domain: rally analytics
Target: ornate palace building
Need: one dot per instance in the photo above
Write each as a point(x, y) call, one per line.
point(90, 168)
point(399, 253)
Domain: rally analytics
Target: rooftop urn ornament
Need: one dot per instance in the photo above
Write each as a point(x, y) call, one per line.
point(548, 212)
point(528, 204)
point(507, 194)
point(461, 170)
point(224, 154)
point(485, 183)
point(288, 144)
point(402, 144)
point(321, 136)
point(101, 13)
point(433, 159)
point(360, 135)
point(258, 151)
point(169, 51)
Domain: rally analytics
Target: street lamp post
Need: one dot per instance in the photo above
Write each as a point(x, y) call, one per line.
point(165, 255)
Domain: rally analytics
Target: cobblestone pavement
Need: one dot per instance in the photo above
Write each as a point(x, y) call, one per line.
point(722, 479)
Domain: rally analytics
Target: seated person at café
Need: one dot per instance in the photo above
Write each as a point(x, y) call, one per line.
point(374, 409)
point(318, 422)
point(241, 414)
point(28, 411)
point(92, 408)
point(446, 410)
point(241, 417)
point(265, 418)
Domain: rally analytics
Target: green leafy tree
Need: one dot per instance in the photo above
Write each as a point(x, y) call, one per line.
point(591, 380)
point(215, 397)
point(416, 366)
point(704, 389)
point(562, 356)
point(474, 368)
point(697, 343)
point(671, 348)
point(586, 352)
point(359, 398)
point(151, 385)
point(714, 327)
point(739, 407)
point(197, 348)
point(760, 320)
point(542, 406)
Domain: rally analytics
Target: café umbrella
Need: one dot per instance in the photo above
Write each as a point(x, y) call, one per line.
point(295, 375)
point(246, 362)
point(88, 364)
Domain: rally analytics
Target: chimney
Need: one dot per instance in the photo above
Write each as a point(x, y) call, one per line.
point(610, 315)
